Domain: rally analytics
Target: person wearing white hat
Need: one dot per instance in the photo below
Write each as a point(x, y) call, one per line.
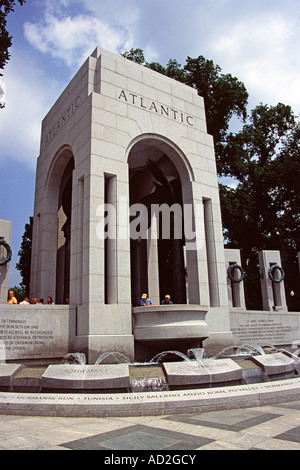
point(145, 302)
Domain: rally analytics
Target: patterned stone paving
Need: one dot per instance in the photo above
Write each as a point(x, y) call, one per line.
point(274, 427)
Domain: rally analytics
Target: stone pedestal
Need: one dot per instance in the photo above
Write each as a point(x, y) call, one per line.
point(236, 293)
point(273, 293)
point(82, 377)
point(204, 373)
point(275, 364)
point(7, 373)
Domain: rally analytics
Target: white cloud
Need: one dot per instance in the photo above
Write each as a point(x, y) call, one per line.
point(73, 38)
point(263, 52)
point(29, 93)
point(31, 86)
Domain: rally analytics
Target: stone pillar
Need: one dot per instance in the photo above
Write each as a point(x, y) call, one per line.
point(178, 272)
point(78, 226)
point(236, 293)
point(196, 257)
point(5, 234)
point(67, 207)
point(111, 288)
point(153, 269)
point(273, 293)
point(135, 272)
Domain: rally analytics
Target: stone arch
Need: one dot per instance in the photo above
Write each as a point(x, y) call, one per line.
point(158, 263)
point(57, 223)
point(165, 145)
point(55, 172)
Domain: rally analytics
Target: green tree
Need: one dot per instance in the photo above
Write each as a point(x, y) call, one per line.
point(25, 257)
point(6, 6)
point(263, 211)
point(135, 55)
point(224, 97)
point(172, 70)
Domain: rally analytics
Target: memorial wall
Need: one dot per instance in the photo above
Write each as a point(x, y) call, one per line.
point(31, 331)
point(28, 332)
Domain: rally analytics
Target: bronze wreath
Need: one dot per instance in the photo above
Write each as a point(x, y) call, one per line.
point(271, 273)
point(9, 252)
point(230, 270)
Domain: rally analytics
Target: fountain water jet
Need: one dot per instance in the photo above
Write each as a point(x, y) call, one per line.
point(162, 355)
point(243, 351)
point(75, 358)
point(118, 358)
point(197, 353)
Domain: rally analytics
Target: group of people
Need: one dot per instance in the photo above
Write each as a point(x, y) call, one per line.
point(35, 301)
point(145, 301)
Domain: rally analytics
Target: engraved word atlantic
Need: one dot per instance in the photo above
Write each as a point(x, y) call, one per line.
point(157, 108)
point(67, 114)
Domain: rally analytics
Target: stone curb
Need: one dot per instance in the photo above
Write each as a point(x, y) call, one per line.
point(150, 403)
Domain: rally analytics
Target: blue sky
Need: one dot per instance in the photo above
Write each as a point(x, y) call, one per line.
point(256, 41)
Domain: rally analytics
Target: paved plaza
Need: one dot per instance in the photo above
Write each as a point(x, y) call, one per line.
point(275, 427)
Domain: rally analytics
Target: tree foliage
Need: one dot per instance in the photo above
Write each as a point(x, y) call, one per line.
point(263, 211)
point(25, 257)
point(224, 96)
point(135, 55)
point(6, 6)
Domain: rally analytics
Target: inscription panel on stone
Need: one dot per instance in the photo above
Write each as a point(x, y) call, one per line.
point(264, 329)
point(274, 363)
point(87, 376)
point(27, 332)
point(201, 372)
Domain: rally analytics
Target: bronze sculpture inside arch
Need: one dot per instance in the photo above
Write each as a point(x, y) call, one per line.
point(172, 272)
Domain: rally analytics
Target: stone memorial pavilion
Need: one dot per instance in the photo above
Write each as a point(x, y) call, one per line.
point(121, 137)
point(126, 203)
